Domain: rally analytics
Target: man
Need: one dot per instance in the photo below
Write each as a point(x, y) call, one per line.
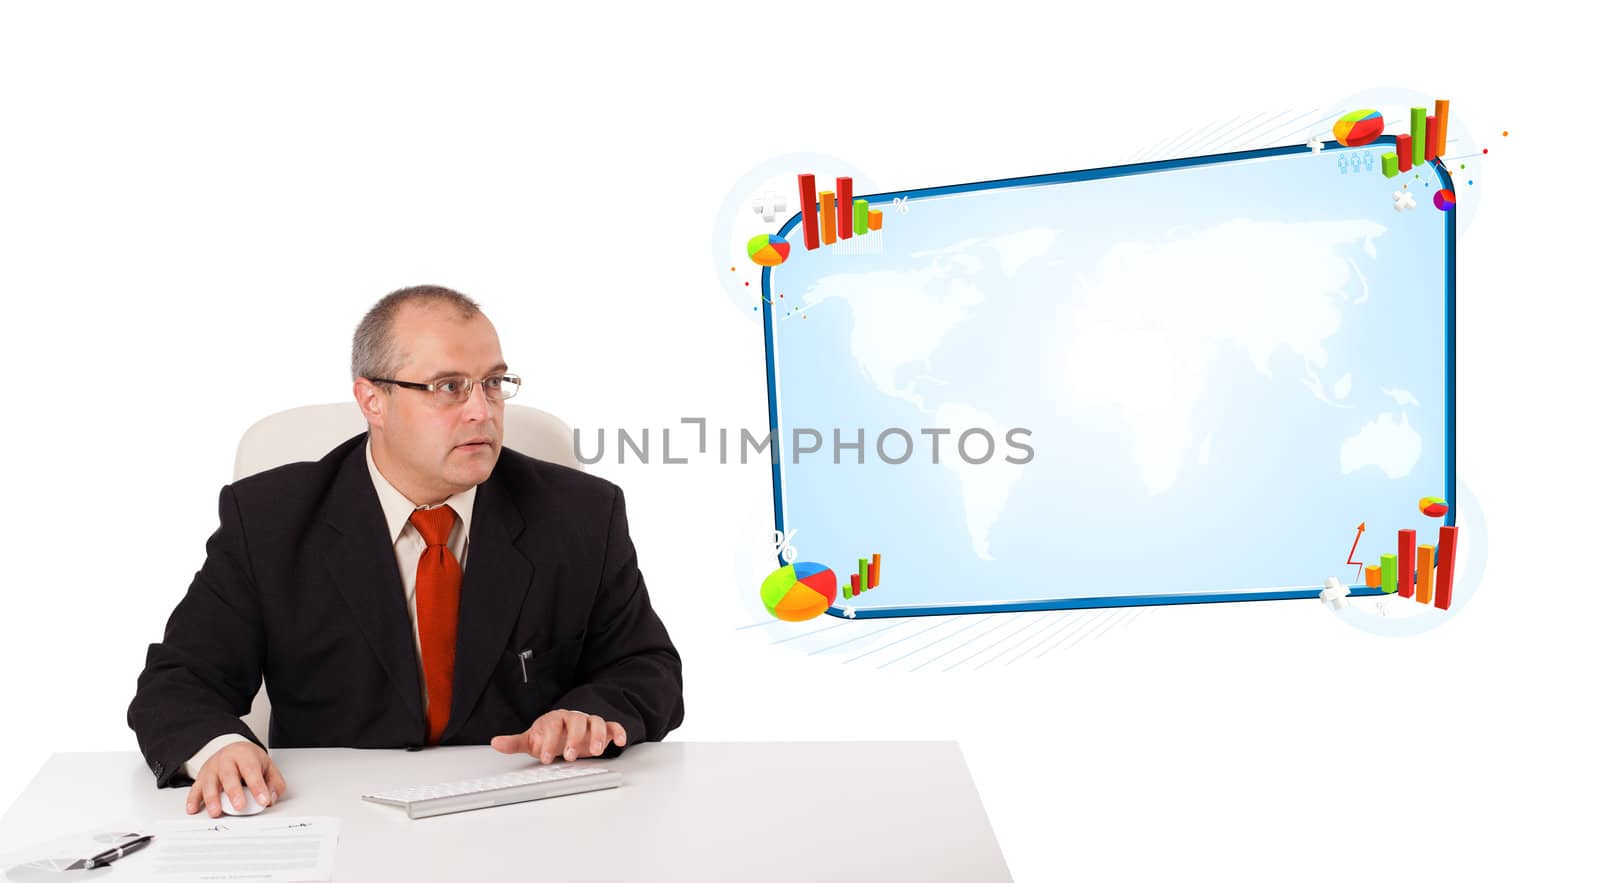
point(416, 586)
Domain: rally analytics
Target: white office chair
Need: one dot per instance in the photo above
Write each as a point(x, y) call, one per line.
point(308, 433)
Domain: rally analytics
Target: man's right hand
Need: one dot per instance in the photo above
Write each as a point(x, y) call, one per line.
point(231, 770)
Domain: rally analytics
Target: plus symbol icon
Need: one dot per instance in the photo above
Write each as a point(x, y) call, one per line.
point(767, 205)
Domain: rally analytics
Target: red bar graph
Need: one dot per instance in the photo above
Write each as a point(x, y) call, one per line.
point(1402, 146)
point(1433, 138)
point(1447, 567)
point(843, 198)
point(808, 209)
point(1408, 562)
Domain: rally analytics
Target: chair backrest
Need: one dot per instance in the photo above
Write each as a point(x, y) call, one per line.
point(308, 432)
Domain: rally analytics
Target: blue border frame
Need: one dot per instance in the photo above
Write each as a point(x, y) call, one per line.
point(776, 437)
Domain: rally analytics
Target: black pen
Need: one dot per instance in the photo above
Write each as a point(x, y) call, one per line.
point(116, 852)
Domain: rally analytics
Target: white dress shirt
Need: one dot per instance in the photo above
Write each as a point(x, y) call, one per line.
point(408, 548)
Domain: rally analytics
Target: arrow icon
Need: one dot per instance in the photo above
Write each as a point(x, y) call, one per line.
point(1349, 559)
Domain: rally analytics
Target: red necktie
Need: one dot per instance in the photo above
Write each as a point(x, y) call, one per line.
point(438, 601)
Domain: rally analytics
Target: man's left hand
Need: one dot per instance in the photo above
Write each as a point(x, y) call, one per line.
point(569, 734)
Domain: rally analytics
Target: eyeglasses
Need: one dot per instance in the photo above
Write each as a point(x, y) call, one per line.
point(455, 390)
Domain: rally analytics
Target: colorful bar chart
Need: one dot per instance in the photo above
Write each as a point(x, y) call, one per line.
point(866, 575)
point(808, 209)
point(844, 188)
point(1419, 136)
point(1424, 572)
point(1423, 144)
point(1408, 559)
point(834, 215)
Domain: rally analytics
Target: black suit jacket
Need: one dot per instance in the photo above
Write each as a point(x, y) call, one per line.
point(300, 584)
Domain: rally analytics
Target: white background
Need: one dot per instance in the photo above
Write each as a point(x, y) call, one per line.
point(196, 205)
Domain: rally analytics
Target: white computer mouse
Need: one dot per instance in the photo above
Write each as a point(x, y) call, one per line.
point(251, 807)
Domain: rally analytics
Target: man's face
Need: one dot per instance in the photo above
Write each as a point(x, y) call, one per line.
point(427, 450)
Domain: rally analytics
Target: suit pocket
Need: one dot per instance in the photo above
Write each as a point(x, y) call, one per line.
point(537, 678)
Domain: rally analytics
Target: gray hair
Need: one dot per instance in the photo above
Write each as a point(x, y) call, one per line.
point(373, 352)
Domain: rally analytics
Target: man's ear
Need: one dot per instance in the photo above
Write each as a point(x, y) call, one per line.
point(370, 399)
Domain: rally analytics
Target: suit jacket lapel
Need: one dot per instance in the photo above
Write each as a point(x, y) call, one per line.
point(362, 564)
point(493, 586)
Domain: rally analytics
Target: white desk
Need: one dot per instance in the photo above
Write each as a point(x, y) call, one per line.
point(820, 812)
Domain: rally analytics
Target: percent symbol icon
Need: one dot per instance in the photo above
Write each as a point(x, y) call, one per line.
point(902, 204)
point(780, 544)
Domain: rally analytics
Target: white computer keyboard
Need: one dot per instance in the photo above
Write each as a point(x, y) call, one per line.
point(537, 783)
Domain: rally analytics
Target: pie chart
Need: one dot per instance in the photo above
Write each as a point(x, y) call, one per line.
point(767, 250)
point(1358, 127)
point(800, 591)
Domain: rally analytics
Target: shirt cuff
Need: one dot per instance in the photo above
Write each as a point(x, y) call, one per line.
point(192, 766)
